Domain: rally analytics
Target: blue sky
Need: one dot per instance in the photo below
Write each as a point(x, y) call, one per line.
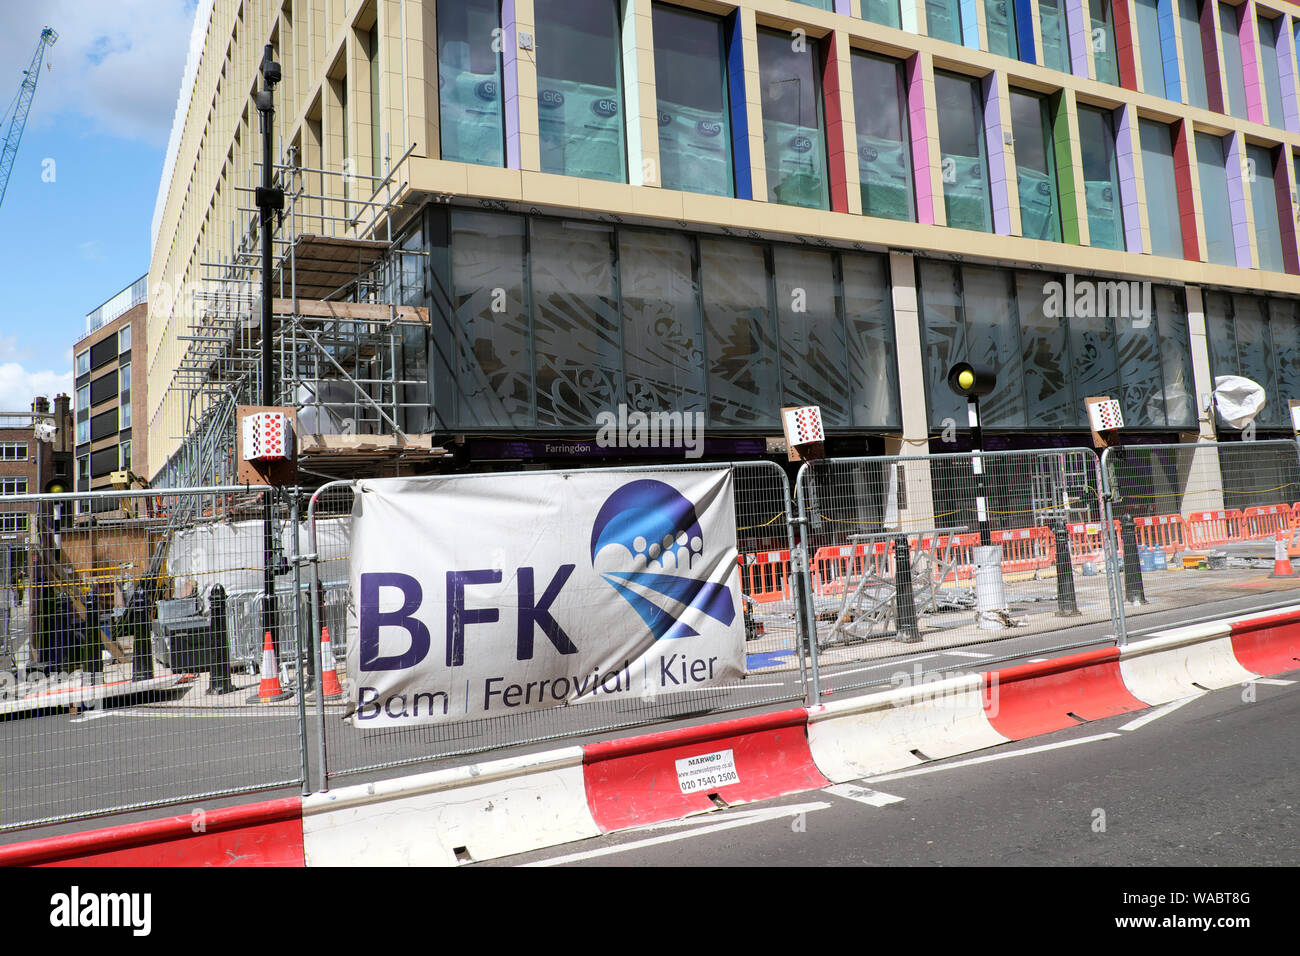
point(102, 114)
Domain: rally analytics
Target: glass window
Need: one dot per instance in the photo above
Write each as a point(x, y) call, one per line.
point(694, 113)
point(939, 294)
point(1255, 352)
point(814, 355)
point(1045, 354)
point(1103, 42)
point(1000, 27)
point(83, 431)
point(1148, 36)
point(1137, 344)
point(739, 339)
point(493, 350)
point(1189, 25)
point(1268, 36)
point(1056, 50)
point(1040, 209)
point(1212, 166)
point(961, 143)
point(943, 20)
point(1284, 327)
point(83, 362)
point(1161, 189)
point(661, 322)
point(580, 89)
point(828, 5)
point(1092, 348)
point(1234, 77)
point(103, 425)
point(83, 470)
point(1175, 357)
point(575, 321)
point(124, 375)
point(469, 82)
point(124, 339)
point(126, 415)
point(1263, 201)
point(884, 12)
point(793, 142)
point(103, 388)
point(1101, 179)
point(884, 152)
point(993, 339)
point(126, 455)
point(83, 398)
point(868, 312)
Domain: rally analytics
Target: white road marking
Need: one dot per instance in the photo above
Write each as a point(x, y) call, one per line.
point(966, 654)
point(873, 798)
point(1273, 681)
point(1159, 712)
point(998, 756)
point(743, 819)
point(890, 663)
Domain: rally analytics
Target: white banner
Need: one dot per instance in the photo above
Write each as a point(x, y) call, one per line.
point(485, 595)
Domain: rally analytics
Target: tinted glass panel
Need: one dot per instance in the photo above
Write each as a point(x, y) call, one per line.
point(993, 339)
point(814, 355)
point(1161, 190)
point(793, 143)
point(1230, 42)
point(103, 388)
point(103, 352)
point(1035, 168)
point(881, 11)
point(884, 153)
point(469, 82)
point(945, 336)
point(1175, 357)
point(1268, 34)
point(1189, 26)
point(1148, 30)
point(103, 425)
point(1056, 50)
point(961, 143)
point(943, 20)
point(1211, 164)
point(868, 312)
point(493, 356)
point(1263, 200)
point(580, 89)
point(739, 338)
point(575, 322)
point(1103, 42)
point(1101, 179)
point(694, 115)
point(1045, 353)
point(1000, 27)
point(661, 322)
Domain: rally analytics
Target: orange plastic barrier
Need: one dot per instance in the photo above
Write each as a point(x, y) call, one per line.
point(1267, 521)
point(765, 575)
point(1087, 540)
point(1024, 549)
point(1162, 531)
point(834, 564)
point(1209, 528)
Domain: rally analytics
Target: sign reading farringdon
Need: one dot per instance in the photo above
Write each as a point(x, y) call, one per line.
point(487, 595)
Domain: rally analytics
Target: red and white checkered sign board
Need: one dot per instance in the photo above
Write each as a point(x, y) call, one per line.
point(1105, 416)
point(268, 436)
point(804, 425)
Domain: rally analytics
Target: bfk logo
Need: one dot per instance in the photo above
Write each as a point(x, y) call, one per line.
point(644, 530)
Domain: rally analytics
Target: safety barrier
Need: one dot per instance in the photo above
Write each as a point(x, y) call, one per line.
point(1265, 522)
point(1166, 532)
point(765, 576)
point(1025, 549)
point(1205, 529)
point(1087, 541)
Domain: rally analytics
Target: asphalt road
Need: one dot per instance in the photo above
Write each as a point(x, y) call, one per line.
point(1210, 781)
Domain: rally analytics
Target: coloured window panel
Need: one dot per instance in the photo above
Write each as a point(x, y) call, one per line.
point(1101, 179)
point(469, 82)
point(1040, 208)
point(884, 150)
point(964, 168)
point(793, 139)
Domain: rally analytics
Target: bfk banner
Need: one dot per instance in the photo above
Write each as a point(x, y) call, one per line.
point(486, 595)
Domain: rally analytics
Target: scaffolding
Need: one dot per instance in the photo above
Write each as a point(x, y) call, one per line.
point(349, 328)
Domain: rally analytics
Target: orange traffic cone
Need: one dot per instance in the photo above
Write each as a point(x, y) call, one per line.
point(1281, 563)
point(329, 682)
point(269, 690)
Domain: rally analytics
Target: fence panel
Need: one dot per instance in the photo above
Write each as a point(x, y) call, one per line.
point(895, 547)
point(132, 632)
point(1203, 519)
point(774, 670)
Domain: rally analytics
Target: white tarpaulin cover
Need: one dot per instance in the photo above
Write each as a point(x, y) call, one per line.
point(486, 595)
point(1238, 399)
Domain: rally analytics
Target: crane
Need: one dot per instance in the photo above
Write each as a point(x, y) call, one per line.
point(24, 103)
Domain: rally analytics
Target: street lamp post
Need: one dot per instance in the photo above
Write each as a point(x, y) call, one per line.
point(269, 199)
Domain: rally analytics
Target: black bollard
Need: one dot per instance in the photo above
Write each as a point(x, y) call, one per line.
point(92, 656)
point(219, 663)
point(908, 631)
point(1133, 591)
point(141, 651)
point(1066, 605)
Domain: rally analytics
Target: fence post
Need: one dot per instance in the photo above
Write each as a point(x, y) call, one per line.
point(313, 556)
point(808, 629)
point(296, 606)
point(787, 506)
point(1110, 548)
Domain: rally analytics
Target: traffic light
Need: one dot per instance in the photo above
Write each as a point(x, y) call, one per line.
point(56, 486)
point(971, 381)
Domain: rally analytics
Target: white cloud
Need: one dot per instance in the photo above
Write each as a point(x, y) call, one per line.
point(18, 386)
point(116, 63)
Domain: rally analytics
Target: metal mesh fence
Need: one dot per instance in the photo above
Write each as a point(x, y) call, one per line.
point(1203, 521)
point(774, 669)
point(904, 559)
point(132, 634)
